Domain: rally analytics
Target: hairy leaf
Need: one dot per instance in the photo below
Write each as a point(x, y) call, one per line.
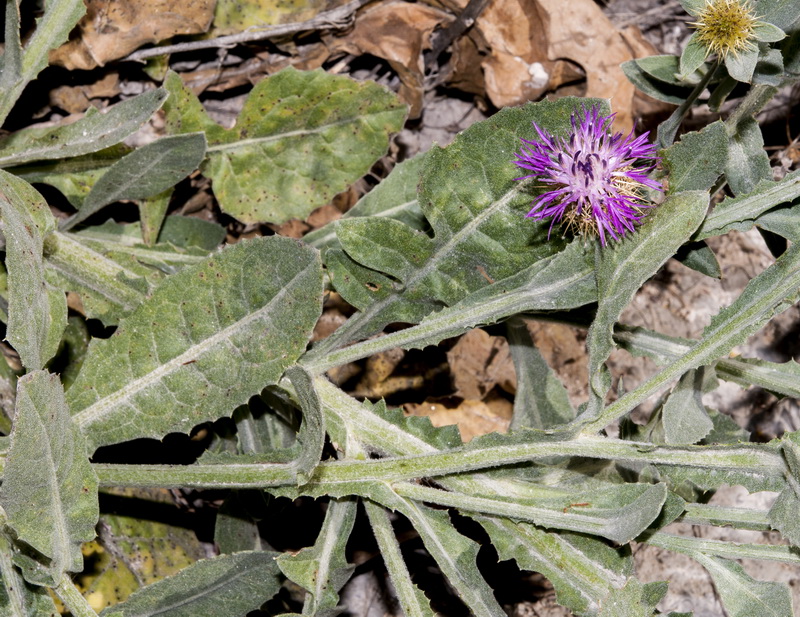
point(92, 133)
point(145, 172)
point(698, 159)
point(208, 338)
point(49, 488)
point(17, 597)
point(322, 570)
point(623, 269)
point(412, 599)
point(395, 197)
point(685, 418)
point(301, 137)
point(541, 400)
point(37, 313)
point(225, 586)
point(748, 163)
point(747, 208)
point(743, 596)
point(585, 572)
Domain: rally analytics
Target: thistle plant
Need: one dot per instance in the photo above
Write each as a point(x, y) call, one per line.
point(217, 340)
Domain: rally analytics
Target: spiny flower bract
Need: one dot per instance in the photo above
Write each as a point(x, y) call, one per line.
point(594, 178)
point(726, 26)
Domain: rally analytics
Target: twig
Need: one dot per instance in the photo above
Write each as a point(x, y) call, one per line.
point(335, 19)
point(461, 24)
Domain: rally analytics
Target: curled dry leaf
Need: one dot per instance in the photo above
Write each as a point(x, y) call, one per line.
point(112, 30)
point(397, 32)
point(473, 418)
point(478, 363)
point(528, 47)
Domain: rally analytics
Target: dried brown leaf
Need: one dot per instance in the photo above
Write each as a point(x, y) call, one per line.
point(396, 32)
point(112, 30)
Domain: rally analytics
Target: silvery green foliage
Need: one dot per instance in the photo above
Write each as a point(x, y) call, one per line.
point(442, 244)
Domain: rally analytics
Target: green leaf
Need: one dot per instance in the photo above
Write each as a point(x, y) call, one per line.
point(693, 7)
point(322, 570)
point(312, 431)
point(585, 571)
point(541, 400)
point(781, 13)
point(301, 137)
point(37, 313)
point(412, 599)
point(180, 231)
point(73, 350)
point(17, 597)
point(109, 289)
point(742, 65)
point(235, 528)
point(624, 267)
point(359, 286)
point(225, 586)
point(395, 197)
point(692, 57)
point(685, 417)
point(565, 280)
point(152, 211)
point(743, 211)
point(618, 512)
point(783, 515)
point(699, 256)
point(769, 293)
point(21, 65)
point(767, 32)
point(748, 163)
point(782, 221)
point(641, 76)
point(92, 133)
point(743, 596)
point(75, 176)
point(769, 70)
point(454, 553)
point(143, 173)
point(208, 338)
point(698, 159)
point(49, 487)
point(477, 213)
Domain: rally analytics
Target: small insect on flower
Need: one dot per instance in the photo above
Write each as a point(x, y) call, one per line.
point(595, 180)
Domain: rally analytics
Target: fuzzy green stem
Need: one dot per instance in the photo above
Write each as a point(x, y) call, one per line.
point(73, 599)
point(761, 461)
point(668, 129)
point(691, 545)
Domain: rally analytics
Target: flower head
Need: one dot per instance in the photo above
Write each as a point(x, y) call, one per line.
point(726, 26)
point(594, 179)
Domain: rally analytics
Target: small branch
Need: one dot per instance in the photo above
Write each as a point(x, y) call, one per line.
point(335, 19)
point(458, 27)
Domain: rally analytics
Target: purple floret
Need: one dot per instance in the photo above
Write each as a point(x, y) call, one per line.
point(593, 179)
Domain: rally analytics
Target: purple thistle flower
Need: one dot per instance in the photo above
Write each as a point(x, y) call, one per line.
point(593, 181)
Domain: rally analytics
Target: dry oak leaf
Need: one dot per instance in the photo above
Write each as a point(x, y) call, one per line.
point(473, 418)
point(533, 46)
point(479, 362)
point(112, 30)
point(397, 32)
